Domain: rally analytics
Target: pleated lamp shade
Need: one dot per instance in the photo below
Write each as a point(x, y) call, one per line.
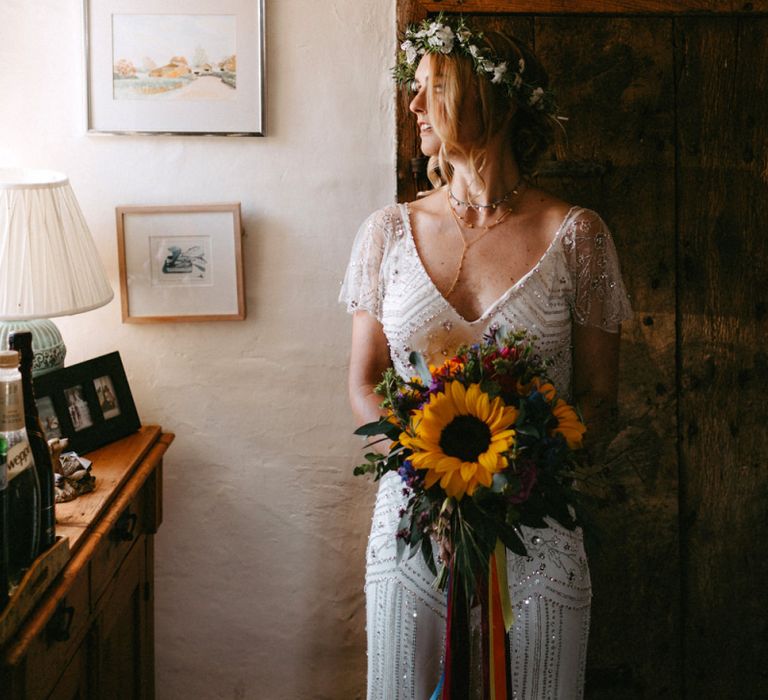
point(49, 265)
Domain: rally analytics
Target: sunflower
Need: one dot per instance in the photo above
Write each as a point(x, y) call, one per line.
point(460, 437)
point(568, 424)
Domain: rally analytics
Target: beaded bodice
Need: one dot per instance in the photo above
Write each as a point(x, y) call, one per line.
point(576, 279)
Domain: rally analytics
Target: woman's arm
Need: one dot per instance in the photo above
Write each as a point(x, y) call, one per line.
point(368, 360)
point(596, 381)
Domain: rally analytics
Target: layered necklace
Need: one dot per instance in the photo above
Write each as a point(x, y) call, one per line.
point(458, 219)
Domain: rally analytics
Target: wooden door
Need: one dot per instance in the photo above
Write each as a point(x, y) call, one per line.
point(668, 140)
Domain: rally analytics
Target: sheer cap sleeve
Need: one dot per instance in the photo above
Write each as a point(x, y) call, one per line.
point(599, 297)
point(363, 285)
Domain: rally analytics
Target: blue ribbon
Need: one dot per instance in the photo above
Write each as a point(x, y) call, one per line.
point(438, 690)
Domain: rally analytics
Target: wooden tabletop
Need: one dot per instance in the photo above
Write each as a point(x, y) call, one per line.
point(112, 466)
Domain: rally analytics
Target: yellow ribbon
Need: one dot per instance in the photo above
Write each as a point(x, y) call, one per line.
point(501, 567)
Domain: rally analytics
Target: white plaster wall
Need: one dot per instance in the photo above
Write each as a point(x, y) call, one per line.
point(260, 556)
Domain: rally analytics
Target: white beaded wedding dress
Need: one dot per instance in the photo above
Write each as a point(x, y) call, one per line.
point(577, 280)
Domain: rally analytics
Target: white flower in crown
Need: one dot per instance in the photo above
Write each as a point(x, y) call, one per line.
point(439, 36)
point(536, 96)
point(487, 66)
point(498, 72)
point(410, 51)
point(442, 37)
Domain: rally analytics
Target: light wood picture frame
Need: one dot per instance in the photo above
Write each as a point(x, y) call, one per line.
point(181, 263)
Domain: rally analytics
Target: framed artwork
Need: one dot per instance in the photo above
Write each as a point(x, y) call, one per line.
point(181, 263)
point(89, 403)
point(191, 67)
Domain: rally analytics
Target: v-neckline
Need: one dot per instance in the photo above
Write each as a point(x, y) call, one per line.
point(405, 215)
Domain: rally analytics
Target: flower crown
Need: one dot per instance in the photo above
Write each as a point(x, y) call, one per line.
point(441, 35)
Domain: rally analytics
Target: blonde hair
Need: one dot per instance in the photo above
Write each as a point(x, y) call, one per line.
point(531, 131)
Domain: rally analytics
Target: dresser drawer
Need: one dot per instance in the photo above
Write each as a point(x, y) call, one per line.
point(50, 651)
point(116, 542)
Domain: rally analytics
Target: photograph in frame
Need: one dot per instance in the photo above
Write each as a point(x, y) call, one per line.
point(89, 403)
point(107, 397)
point(165, 67)
point(180, 263)
point(49, 420)
point(77, 407)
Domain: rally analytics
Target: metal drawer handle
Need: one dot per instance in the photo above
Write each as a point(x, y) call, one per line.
point(59, 625)
point(124, 527)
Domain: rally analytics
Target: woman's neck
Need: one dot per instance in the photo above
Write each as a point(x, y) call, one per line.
point(500, 175)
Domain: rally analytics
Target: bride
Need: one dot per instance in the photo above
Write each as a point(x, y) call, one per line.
point(484, 249)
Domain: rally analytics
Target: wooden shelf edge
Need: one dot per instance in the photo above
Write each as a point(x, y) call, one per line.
point(32, 586)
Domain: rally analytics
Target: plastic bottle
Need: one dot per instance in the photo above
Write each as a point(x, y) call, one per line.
point(23, 492)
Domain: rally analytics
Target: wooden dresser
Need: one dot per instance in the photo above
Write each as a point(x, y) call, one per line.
point(91, 634)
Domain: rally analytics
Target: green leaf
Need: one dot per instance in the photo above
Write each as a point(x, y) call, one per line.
point(401, 545)
point(426, 552)
point(510, 538)
point(528, 429)
point(420, 365)
point(499, 482)
point(378, 427)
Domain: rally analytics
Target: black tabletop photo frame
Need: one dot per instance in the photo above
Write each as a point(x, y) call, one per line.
point(89, 403)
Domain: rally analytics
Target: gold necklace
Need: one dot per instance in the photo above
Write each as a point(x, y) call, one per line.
point(491, 205)
point(466, 245)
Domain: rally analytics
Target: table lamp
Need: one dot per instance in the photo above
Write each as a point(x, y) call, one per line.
point(49, 265)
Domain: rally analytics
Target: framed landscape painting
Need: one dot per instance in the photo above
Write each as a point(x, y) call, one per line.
point(191, 67)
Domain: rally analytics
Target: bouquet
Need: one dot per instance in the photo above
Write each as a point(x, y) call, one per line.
point(483, 444)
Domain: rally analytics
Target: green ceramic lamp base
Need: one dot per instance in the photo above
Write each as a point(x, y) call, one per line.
point(47, 343)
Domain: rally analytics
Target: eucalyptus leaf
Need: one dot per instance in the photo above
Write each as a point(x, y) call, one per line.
point(427, 553)
point(499, 482)
point(528, 429)
point(376, 428)
point(510, 538)
point(420, 365)
point(401, 545)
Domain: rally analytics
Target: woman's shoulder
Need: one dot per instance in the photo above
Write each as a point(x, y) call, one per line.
point(556, 214)
point(429, 203)
point(383, 223)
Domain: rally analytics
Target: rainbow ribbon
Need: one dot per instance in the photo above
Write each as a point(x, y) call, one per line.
point(497, 619)
point(500, 619)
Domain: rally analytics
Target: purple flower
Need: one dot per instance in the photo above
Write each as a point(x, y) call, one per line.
point(527, 476)
point(407, 472)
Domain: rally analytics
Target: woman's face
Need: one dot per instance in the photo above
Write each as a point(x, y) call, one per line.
point(423, 80)
point(469, 123)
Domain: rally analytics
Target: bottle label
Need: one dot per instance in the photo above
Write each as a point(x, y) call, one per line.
point(11, 406)
point(19, 458)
